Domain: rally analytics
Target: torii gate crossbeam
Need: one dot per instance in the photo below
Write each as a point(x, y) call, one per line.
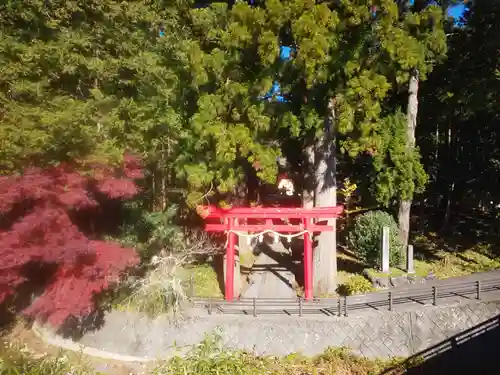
point(235, 220)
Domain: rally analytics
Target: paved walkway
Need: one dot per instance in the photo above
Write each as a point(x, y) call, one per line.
point(271, 276)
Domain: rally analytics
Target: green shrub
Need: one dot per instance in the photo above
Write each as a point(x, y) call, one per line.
point(165, 286)
point(366, 237)
point(161, 291)
point(17, 360)
point(356, 284)
point(210, 357)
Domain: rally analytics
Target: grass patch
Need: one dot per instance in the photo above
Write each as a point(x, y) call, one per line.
point(431, 256)
point(24, 353)
point(343, 276)
point(16, 360)
point(211, 358)
point(166, 288)
point(205, 281)
point(422, 269)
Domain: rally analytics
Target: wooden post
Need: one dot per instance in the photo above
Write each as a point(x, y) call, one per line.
point(237, 271)
point(308, 277)
point(384, 266)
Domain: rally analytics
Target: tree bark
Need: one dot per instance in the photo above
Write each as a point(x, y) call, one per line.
point(308, 184)
point(412, 112)
point(451, 154)
point(325, 254)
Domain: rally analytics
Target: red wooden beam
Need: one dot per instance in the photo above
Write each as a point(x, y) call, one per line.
point(262, 227)
point(214, 212)
point(230, 217)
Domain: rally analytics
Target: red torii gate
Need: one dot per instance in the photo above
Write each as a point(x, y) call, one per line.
point(232, 220)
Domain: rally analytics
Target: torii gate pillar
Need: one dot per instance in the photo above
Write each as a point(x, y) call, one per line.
point(230, 221)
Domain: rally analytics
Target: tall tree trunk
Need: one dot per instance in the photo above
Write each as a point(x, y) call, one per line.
point(308, 183)
point(412, 112)
point(325, 253)
point(451, 154)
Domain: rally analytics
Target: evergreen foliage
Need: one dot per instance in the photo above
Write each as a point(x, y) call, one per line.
point(398, 171)
point(90, 79)
point(182, 86)
point(460, 117)
point(366, 238)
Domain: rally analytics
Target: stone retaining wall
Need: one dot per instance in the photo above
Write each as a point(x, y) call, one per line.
point(377, 335)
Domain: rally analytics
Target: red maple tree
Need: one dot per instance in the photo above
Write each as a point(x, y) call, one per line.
point(37, 226)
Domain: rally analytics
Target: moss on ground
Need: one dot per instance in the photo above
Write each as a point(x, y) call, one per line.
point(445, 261)
point(205, 280)
point(421, 269)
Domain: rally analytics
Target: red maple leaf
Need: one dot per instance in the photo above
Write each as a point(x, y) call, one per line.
point(44, 233)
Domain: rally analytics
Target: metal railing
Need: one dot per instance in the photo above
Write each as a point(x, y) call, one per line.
point(449, 345)
point(343, 306)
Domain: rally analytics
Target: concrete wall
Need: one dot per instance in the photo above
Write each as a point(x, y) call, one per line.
point(376, 335)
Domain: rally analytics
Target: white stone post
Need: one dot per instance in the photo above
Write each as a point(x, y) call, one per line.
point(384, 266)
point(410, 265)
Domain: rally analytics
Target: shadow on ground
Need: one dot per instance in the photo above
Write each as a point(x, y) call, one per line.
point(218, 265)
point(465, 230)
point(348, 262)
point(285, 262)
point(473, 351)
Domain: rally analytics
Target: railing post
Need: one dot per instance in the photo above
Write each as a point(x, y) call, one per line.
point(254, 307)
point(345, 306)
point(434, 295)
point(191, 287)
point(300, 306)
point(478, 289)
point(339, 305)
point(209, 306)
point(390, 301)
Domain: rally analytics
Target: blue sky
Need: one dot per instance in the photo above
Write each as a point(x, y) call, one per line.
point(456, 11)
